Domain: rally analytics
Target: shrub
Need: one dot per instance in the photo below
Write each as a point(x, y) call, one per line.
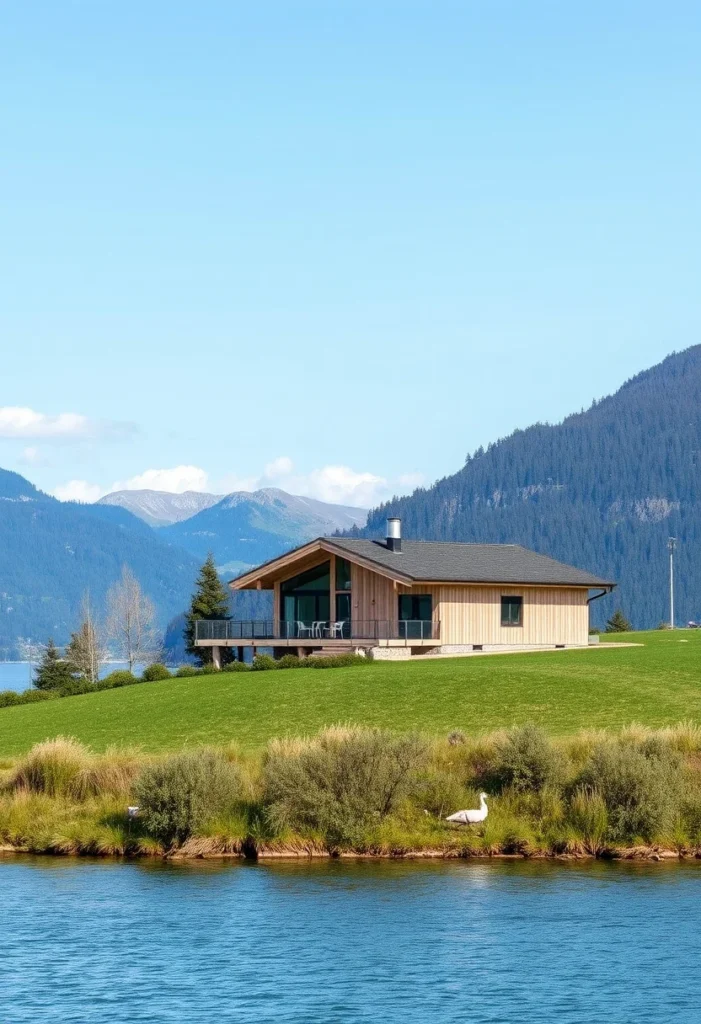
point(185, 671)
point(441, 793)
point(77, 686)
point(639, 784)
point(290, 661)
point(122, 677)
point(527, 761)
point(335, 661)
point(10, 697)
point(341, 781)
point(263, 663)
point(237, 666)
point(51, 767)
point(209, 670)
point(35, 696)
point(179, 795)
point(153, 673)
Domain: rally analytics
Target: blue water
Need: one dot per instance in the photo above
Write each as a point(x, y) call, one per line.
point(393, 942)
point(17, 675)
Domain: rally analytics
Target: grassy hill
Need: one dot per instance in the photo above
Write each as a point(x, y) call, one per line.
point(657, 683)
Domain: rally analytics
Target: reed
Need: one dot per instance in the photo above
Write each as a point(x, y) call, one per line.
point(366, 791)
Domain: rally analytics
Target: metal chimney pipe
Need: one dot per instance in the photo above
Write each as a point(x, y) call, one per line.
point(394, 533)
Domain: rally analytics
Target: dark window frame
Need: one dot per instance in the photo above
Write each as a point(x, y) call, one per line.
point(517, 599)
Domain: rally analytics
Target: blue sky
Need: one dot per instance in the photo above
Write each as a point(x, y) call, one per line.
point(333, 246)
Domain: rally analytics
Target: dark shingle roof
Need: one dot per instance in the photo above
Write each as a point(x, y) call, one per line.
point(447, 561)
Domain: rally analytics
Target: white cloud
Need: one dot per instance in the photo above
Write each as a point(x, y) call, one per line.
point(282, 466)
point(79, 490)
point(337, 484)
point(410, 481)
point(175, 480)
point(32, 456)
point(17, 422)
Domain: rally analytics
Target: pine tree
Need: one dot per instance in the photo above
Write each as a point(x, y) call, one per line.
point(53, 672)
point(618, 623)
point(210, 601)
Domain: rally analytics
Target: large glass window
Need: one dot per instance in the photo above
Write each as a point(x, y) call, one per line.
point(343, 574)
point(512, 611)
point(305, 600)
point(416, 607)
point(415, 614)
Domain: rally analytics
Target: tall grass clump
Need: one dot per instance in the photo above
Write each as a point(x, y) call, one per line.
point(52, 767)
point(341, 781)
point(179, 795)
point(589, 818)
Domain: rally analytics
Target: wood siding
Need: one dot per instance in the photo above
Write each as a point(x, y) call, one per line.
point(551, 615)
point(472, 614)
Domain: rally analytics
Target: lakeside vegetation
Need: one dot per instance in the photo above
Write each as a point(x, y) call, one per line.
point(655, 683)
point(352, 790)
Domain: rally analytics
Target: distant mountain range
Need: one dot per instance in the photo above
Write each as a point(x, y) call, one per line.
point(603, 490)
point(51, 552)
point(246, 527)
point(161, 508)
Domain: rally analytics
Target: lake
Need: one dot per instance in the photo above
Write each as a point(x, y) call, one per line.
point(17, 675)
point(88, 941)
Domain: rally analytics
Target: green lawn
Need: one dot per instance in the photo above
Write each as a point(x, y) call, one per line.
point(657, 683)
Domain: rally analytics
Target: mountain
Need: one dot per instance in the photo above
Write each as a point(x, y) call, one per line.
point(246, 527)
point(603, 490)
point(52, 551)
point(160, 508)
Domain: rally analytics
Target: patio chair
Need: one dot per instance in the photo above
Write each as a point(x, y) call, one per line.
point(335, 630)
point(318, 629)
point(304, 630)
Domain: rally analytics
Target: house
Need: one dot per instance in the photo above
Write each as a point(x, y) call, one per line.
point(394, 599)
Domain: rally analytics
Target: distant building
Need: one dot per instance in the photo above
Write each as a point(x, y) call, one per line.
point(395, 598)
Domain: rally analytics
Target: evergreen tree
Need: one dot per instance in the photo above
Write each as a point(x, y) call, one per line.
point(618, 623)
point(210, 601)
point(53, 673)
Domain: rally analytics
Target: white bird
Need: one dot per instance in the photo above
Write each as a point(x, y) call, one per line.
point(471, 817)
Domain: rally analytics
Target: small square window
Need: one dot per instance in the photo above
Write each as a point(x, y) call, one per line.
point(512, 611)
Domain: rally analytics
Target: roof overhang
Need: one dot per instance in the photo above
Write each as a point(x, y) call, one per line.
point(264, 576)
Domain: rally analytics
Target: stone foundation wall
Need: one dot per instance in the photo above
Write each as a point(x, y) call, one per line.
point(389, 653)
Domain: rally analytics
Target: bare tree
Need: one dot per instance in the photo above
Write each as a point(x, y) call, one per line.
point(86, 651)
point(131, 621)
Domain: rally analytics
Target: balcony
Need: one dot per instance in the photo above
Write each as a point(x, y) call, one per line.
point(279, 633)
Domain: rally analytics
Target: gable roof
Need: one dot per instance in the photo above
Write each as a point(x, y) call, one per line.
point(447, 562)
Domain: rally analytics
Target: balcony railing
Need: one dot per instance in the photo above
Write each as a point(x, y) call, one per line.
point(280, 630)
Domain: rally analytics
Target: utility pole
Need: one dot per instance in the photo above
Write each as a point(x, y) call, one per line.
point(671, 544)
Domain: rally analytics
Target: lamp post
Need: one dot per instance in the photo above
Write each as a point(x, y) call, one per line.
point(671, 544)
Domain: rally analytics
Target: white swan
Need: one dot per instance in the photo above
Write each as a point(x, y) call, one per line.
point(471, 817)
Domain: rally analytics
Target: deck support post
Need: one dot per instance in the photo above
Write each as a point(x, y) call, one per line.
point(216, 657)
point(240, 654)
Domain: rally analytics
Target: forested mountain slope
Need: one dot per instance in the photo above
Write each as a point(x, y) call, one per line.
point(52, 551)
point(602, 490)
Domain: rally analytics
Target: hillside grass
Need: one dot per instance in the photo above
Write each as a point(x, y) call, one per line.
point(657, 683)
